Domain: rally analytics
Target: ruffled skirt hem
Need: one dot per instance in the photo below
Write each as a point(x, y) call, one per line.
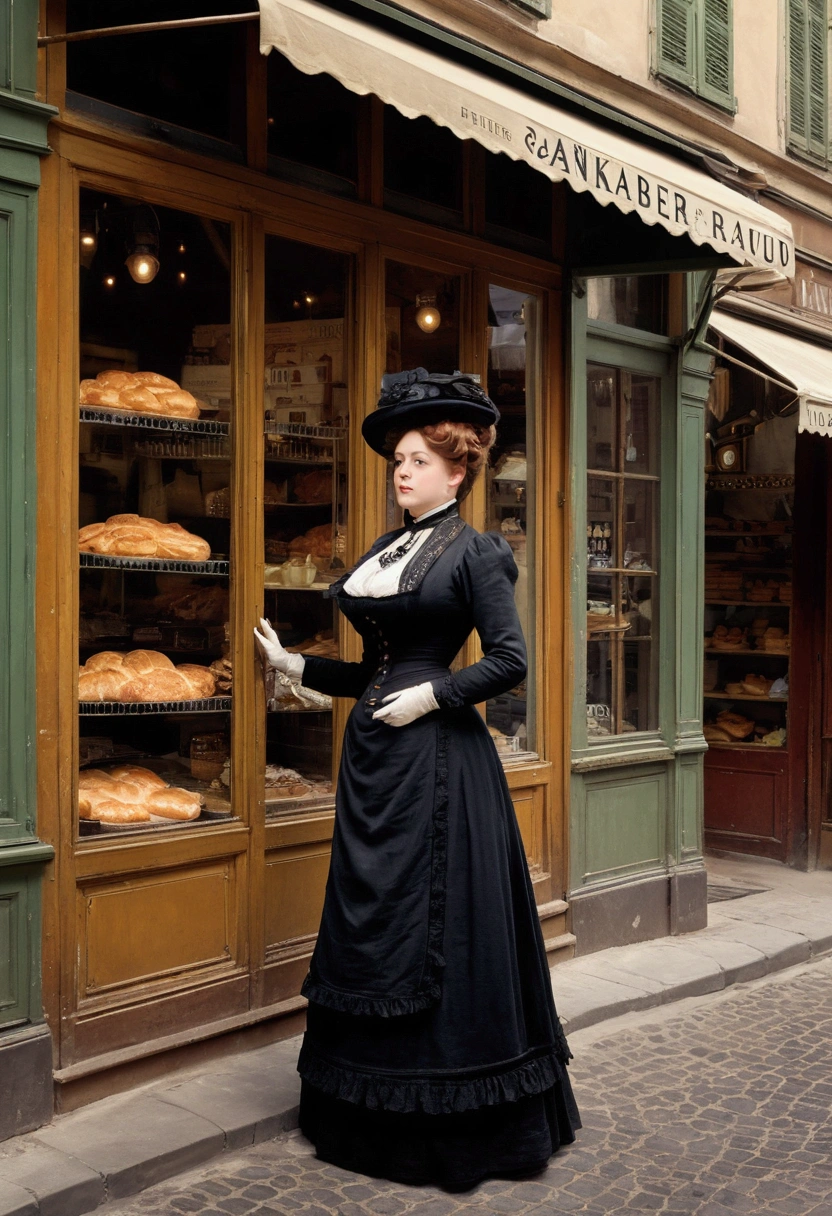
point(468, 1090)
point(455, 1151)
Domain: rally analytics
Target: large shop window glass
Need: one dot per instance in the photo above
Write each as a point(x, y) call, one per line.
point(512, 340)
point(421, 315)
point(305, 494)
point(156, 80)
point(622, 541)
point(155, 679)
point(312, 127)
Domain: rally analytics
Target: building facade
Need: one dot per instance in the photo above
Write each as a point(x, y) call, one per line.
point(267, 219)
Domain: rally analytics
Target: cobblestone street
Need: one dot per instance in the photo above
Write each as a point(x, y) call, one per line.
point(724, 1108)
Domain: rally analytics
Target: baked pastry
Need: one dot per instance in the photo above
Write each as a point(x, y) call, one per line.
point(317, 541)
point(138, 536)
point(314, 486)
point(142, 675)
point(139, 393)
point(735, 725)
point(715, 734)
point(130, 794)
point(757, 686)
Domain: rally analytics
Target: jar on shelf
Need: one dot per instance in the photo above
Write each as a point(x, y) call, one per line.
point(209, 753)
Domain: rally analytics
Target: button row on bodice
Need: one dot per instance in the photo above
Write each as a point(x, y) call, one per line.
point(382, 669)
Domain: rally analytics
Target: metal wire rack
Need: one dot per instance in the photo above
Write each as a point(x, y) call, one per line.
point(154, 422)
point(305, 430)
point(132, 709)
point(196, 447)
point(101, 561)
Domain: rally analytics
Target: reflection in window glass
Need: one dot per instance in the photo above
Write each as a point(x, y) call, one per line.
point(513, 334)
point(622, 521)
point(312, 120)
point(637, 300)
point(422, 162)
point(304, 505)
point(518, 202)
point(163, 73)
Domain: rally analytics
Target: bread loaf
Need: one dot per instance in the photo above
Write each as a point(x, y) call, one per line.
point(130, 794)
point(139, 393)
point(142, 675)
point(138, 536)
point(735, 725)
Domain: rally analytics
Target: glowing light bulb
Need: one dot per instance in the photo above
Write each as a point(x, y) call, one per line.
point(109, 280)
point(182, 248)
point(182, 276)
point(143, 267)
point(428, 317)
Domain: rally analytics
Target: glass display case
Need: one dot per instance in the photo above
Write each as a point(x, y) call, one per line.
point(622, 541)
point(304, 506)
point(510, 490)
point(155, 678)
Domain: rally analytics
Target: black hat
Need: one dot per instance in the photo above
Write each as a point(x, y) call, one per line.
point(418, 398)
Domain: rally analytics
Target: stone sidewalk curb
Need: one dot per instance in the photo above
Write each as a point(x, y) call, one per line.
point(121, 1145)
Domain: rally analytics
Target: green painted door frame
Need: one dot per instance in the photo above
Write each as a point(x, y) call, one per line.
point(25, 1046)
point(636, 799)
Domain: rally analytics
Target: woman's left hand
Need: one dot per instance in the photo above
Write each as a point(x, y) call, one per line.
point(401, 708)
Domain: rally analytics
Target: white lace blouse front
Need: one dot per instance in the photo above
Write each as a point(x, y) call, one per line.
point(375, 581)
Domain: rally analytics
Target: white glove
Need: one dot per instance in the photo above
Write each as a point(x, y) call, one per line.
point(276, 655)
point(401, 708)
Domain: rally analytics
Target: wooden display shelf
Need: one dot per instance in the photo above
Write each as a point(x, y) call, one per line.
point(746, 747)
point(729, 696)
point(774, 654)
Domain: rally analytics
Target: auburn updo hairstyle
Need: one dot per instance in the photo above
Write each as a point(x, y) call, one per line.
point(463, 443)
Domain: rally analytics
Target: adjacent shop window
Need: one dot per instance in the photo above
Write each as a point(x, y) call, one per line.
point(636, 300)
point(304, 505)
point(622, 543)
point(807, 85)
point(513, 341)
point(312, 127)
point(422, 326)
point(422, 169)
point(155, 487)
point(155, 82)
point(694, 47)
point(518, 205)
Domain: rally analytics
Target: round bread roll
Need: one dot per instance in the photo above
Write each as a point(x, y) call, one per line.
point(154, 380)
point(103, 398)
point(105, 660)
point(106, 685)
point(165, 686)
point(174, 542)
point(177, 402)
point(735, 725)
point(145, 661)
point(173, 803)
point(88, 534)
point(115, 379)
point(758, 686)
point(202, 679)
point(110, 811)
point(139, 399)
point(142, 777)
point(86, 385)
point(118, 521)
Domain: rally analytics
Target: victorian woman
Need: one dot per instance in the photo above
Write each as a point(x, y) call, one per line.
point(433, 1051)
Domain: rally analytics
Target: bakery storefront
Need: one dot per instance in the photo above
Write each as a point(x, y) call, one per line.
point(234, 247)
point(766, 629)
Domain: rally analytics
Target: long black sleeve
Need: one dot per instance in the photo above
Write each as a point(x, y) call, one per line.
point(338, 678)
point(486, 576)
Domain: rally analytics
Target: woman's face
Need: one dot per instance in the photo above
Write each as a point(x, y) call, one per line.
point(423, 479)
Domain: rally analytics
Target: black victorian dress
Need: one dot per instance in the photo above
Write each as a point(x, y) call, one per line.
point(433, 1052)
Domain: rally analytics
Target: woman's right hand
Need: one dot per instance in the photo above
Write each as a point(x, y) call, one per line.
point(275, 654)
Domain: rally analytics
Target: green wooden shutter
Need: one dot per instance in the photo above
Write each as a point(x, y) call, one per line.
point(716, 52)
point(676, 40)
point(807, 90)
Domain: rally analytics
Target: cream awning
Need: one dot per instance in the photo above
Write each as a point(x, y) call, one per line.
point(803, 364)
point(611, 167)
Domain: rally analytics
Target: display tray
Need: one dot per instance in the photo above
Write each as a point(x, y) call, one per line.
point(167, 565)
point(287, 806)
point(206, 447)
point(207, 705)
point(304, 430)
point(294, 587)
point(154, 422)
point(94, 827)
